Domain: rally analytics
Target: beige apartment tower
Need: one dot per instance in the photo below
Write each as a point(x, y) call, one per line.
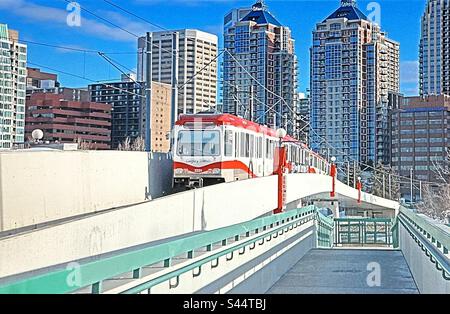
point(195, 52)
point(161, 113)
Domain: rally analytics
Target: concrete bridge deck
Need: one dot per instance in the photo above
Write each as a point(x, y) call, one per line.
point(345, 272)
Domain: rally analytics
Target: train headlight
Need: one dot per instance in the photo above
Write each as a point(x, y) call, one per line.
point(216, 171)
point(179, 171)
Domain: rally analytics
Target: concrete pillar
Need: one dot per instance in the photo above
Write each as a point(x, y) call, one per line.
point(335, 209)
point(332, 205)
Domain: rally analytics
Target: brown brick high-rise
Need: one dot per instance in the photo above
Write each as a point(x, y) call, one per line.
point(68, 121)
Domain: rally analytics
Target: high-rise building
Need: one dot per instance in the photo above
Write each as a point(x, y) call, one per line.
point(13, 73)
point(36, 79)
point(420, 140)
point(259, 45)
point(160, 117)
point(354, 65)
point(435, 49)
point(196, 53)
point(43, 82)
point(69, 121)
point(127, 99)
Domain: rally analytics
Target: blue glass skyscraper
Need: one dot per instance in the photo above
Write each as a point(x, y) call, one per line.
point(435, 49)
point(353, 68)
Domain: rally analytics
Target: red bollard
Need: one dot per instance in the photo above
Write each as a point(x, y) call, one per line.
point(333, 174)
point(281, 183)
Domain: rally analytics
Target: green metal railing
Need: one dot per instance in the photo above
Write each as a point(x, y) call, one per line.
point(92, 274)
point(363, 231)
point(325, 231)
point(433, 240)
point(240, 247)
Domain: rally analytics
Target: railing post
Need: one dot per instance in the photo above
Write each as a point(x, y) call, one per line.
point(96, 288)
point(359, 186)
point(333, 174)
point(281, 177)
point(395, 234)
point(137, 273)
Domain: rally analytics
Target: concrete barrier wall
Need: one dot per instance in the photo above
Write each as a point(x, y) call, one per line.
point(428, 279)
point(38, 187)
point(305, 184)
point(204, 209)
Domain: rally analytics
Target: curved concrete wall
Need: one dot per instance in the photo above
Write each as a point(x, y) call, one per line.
point(428, 279)
point(304, 185)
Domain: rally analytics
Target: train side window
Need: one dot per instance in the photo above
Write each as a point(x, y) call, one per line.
point(228, 143)
point(252, 146)
point(242, 150)
point(260, 146)
point(272, 150)
point(247, 145)
point(241, 147)
point(236, 145)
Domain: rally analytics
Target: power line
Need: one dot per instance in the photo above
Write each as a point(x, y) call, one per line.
point(264, 87)
point(222, 50)
point(114, 62)
point(85, 78)
point(257, 100)
point(135, 15)
point(111, 61)
point(201, 70)
point(81, 50)
point(172, 52)
point(122, 28)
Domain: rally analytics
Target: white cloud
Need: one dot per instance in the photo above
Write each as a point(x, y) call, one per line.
point(57, 17)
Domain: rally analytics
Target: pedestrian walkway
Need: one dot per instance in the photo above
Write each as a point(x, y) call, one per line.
point(348, 272)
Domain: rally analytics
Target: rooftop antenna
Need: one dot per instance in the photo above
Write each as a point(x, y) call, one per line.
point(259, 5)
point(348, 3)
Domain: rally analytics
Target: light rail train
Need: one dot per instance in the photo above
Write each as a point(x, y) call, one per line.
point(218, 148)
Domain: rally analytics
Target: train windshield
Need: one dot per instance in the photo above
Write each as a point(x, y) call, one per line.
point(199, 143)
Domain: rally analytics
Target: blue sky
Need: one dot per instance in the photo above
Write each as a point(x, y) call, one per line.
point(44, 21)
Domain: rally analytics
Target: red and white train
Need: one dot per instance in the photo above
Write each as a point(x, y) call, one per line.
point(218, 148)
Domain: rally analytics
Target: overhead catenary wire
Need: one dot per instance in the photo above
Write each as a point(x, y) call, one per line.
point(163, 28)
point(135, 15)
point(81, 50)
point(122, 28)
point(201, 70)
point(85, 78)
point(112, 62)
point(172, 52)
